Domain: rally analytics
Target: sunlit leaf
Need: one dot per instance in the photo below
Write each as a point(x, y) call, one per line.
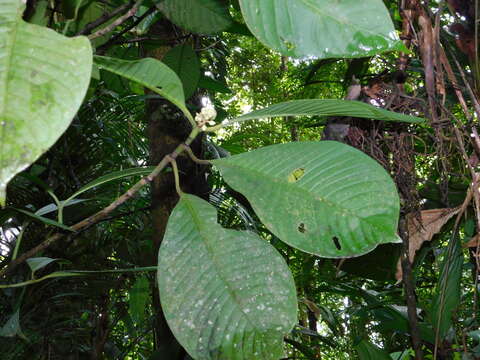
point(324, 29)
point(148, 72)
point(43, 79)
point(325, 198)
point(226, 294)
point(328, 107)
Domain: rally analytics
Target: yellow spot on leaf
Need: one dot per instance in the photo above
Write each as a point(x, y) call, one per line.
point(296, 175)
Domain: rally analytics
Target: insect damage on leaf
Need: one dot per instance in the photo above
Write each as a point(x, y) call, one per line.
point(337, 243)
point(296, 175)
point(301, 228)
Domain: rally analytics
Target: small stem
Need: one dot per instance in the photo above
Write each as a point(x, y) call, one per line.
point(195, 159)
point(218, 126)
point(187, 114)
point(60, 212)
point(476, 104)
point(175, 174)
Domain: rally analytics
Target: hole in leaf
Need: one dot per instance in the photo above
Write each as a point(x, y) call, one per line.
point(296, 175)
point(337, 243)
point(301, 228)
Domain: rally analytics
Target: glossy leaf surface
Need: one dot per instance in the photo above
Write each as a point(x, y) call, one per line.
point(200, 16)
point(226, 294)
point(325, 198)
point(328, 107)
point(43, 79)
point(149, 72)
point(324, 29)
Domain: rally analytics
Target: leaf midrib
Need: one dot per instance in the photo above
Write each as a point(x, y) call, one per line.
point(305, 191)
point(382, 114)
point(199, 224)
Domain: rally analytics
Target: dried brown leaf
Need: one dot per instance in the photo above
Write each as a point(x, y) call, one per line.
point(422, 228)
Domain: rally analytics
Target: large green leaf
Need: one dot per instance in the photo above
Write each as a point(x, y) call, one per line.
point(325, 198)
point(149, 72)
point(200, 16)
point(328, 107)
point(43, 79)
point(226, 294)
point(448, 292)
point(324, 29)
point(183, 60)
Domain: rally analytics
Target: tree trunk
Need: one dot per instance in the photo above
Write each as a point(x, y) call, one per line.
point(167, 128)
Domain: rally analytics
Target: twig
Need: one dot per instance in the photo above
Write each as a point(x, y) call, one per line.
point(194, 158)
point(115, 39)
point(117, 22)
point(176, 175)
point(453, 80)
point(476, 105)
point(123, 214)
point(102, 214)
point(104, 18)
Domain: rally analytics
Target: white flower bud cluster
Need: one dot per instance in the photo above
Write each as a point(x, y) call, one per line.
point(205, 117)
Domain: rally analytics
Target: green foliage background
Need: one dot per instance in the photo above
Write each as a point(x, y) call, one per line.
point(94, 292)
